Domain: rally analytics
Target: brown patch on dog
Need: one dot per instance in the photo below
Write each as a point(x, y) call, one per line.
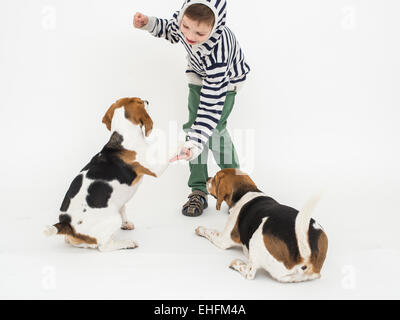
point(318, 257)
point(140, 171)
point(73, 237)
point(223, 189)
point(128, 156)
point(235, 234)
point(228, 182)
point(134, 111)
point(279, 250)
point(211, 190)
point(76, 241)
point(107, 119)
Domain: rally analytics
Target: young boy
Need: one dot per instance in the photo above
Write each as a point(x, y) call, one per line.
point(216, 67)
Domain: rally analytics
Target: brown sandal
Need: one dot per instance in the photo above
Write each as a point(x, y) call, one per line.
point(196, 204)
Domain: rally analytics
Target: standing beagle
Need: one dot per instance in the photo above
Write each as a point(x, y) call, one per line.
point(287, 243)
point(94, 204)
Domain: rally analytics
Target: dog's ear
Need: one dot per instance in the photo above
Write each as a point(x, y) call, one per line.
point(146, 121)
point(223, 189)
point(107, 119)
point(136, 113)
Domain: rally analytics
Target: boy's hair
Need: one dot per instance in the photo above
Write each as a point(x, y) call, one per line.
point(200, 13)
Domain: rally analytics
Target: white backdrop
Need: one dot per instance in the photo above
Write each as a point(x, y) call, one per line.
point(320, 110)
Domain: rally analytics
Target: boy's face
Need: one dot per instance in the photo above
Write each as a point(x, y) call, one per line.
point(195, 32)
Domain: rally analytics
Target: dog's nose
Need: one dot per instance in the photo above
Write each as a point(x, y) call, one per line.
point(64, 218)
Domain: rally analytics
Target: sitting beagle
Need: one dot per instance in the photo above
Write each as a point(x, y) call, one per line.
point(95, 202)
point(287, 243)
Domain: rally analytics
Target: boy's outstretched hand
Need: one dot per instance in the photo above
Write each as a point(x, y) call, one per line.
point(184, 154)
point(188, 151)
point(140, 20)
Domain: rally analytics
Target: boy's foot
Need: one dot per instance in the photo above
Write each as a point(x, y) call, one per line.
point(196, 204)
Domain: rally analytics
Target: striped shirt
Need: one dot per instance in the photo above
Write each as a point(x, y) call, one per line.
point(216, 63)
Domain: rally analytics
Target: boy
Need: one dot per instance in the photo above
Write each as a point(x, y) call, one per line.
point(216, 67)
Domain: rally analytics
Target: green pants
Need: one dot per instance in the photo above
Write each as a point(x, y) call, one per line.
point(220, 142)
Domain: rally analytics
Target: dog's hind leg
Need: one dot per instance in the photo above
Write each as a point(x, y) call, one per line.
point(126, 225)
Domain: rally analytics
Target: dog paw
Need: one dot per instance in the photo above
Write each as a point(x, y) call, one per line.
point(50, 230)
point(132, 245)
point(237, 264)
point(200, 231)
point(127, 226)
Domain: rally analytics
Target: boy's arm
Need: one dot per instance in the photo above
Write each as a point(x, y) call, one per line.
point(212, 100)
point(163, 28)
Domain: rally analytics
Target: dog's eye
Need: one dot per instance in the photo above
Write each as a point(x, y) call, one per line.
point(80, 222)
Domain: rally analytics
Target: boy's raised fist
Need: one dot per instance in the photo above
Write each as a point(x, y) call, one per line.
point(140, 20)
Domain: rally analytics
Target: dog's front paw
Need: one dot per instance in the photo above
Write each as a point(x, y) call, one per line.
point(127, 226)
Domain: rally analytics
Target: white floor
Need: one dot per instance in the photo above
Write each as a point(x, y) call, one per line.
point(171, 262)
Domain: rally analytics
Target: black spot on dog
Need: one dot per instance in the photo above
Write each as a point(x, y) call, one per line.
point(107, 165)
point(240, 191)
point(72, 192)
point(280, 223)
point(313, 236)
point(99, 193)
point(251, 215)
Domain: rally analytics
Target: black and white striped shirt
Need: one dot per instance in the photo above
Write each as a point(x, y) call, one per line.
point(217, 63)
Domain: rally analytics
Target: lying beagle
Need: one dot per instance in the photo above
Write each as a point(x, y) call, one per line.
point(287, 243)
point(95, 202)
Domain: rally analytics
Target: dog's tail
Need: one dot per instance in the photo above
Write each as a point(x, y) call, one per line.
point(302, 225)
point(50, 231)
point(63, 227)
